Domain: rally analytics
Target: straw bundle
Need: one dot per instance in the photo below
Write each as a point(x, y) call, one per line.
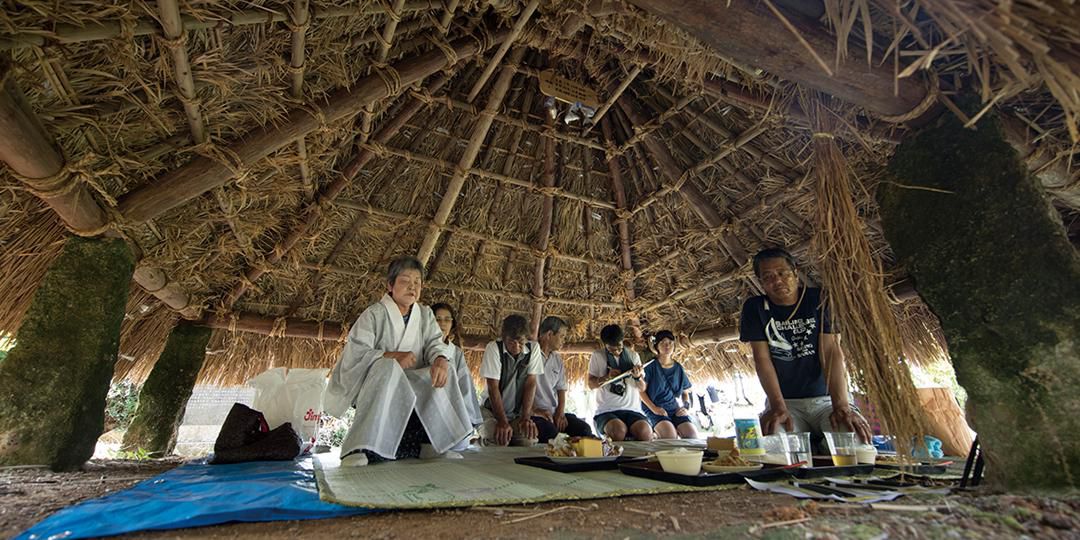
point(31, 237)
point(854, 283)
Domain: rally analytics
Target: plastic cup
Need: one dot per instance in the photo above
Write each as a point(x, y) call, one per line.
point(842, 447)
point(748, 434)
point(797, 449)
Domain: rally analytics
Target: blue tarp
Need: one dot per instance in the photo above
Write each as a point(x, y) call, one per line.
point(197, 494)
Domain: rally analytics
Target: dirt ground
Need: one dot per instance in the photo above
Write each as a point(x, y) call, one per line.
point(29, 495)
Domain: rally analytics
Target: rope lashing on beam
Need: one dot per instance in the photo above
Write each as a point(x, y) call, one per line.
point(451, 55)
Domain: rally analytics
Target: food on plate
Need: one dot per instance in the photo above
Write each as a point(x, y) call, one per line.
point(733, 460)
point(565, 446)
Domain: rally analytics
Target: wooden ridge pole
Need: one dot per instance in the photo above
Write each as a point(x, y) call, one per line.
point(547, 217)
point(693, 196)
point(203, 173)
point(476, 140)
point(619, 189)
point(504, 47)
point(747, 32)
point(311, 213)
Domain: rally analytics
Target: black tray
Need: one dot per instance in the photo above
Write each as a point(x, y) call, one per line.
point(919, 468)
point(832, 470)
point(544, 463)
point(653, 471)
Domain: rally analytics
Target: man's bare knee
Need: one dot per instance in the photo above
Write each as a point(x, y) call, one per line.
point(665, 430)
point(687, 431)
point(641, 430)
point(615, 429)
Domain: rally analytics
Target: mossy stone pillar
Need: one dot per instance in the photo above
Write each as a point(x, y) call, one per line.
point(165, 394)
point(991, 258)
point(54, 382)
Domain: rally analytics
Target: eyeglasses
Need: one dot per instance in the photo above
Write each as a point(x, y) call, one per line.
point(444, 319)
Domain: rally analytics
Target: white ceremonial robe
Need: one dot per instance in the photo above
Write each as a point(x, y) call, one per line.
point(465, 383)
point(384, 394)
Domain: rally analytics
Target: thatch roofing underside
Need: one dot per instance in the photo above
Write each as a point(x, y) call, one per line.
point(102, 79)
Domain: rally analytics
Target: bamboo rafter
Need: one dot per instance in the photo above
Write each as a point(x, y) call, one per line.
point(68, 33)
point(547, 217)
point(386, 39)
point(629, 78)
point(300, 19)
point(472, 149)
point(623, 224)
point(515, 31)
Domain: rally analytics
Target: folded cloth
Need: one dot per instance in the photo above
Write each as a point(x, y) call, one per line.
point(244, 437)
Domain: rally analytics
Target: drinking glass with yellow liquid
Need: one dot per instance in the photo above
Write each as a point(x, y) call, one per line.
point(842, 448)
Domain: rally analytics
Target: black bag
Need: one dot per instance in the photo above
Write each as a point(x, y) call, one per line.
point(245, 436)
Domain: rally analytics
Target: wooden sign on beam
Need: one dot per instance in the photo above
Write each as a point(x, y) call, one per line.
point(566, 90)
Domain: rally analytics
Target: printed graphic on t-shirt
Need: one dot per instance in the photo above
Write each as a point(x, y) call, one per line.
point(790, 340)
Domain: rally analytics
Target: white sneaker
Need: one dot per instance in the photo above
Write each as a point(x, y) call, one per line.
point(428, 452)
point(358, 459)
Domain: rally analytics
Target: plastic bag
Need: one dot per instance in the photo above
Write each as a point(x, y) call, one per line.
point(293, 396)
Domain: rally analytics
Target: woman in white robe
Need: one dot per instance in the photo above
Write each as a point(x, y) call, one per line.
point(447, 321)
point(395, 370)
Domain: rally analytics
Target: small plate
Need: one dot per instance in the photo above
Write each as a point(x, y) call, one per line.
point(575, 459)
point(730, 469)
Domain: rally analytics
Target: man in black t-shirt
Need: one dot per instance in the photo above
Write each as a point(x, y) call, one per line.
point(797, 353)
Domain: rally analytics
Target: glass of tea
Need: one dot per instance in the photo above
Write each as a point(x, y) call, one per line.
point(842, 448)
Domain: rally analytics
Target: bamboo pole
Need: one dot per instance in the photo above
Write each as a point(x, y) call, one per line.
point(310, 214)
point(70, 33)
point(693, 196)
point(612, 98)
point(448, 15)
point(300, 20)
point(619, 190)
point(641, 132)
point(472, 149)
point(202, 174)
point(487, 175)
point(482, 237)
point(547, 216)
point(515, 31)
point(393, 17)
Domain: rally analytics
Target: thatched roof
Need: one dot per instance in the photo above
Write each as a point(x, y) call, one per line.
point(267, 159)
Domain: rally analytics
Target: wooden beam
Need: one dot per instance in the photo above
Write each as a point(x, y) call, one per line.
point(28, 151)
point(747, 32)
point(276, 326)
point(478, 343)
point(203, 174)
point(311, 213)
point(547, 217)
point(504, 47)
point(101, 30)
point(634, 71)
point(619, 189)
point(472, 149)
point(693, 196)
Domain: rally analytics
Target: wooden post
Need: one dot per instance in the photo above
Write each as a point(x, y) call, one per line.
point(613, 98)
point(165, 393)
point(53, 383)
point(202, 174)
point(476, 139)
point(547, 216)
point(992, 260)
point(619, 189)
point(747, 32)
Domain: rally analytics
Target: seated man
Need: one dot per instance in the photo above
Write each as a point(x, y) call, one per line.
point(394, 370)
point(618, 403)
point(668, 392)
point(510, 367)
point(797, 353)
point(549, 406)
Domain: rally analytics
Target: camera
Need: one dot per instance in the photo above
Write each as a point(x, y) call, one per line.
point(617, 388)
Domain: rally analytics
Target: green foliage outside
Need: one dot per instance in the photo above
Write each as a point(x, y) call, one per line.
point(120, 405)
point(334, 429)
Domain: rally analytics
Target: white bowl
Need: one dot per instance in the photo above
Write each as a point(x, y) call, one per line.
point(681, 462)
point(866, 453)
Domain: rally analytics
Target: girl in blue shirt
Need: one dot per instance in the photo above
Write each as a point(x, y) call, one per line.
point(667, 388)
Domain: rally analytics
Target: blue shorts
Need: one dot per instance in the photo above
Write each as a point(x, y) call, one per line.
point(656, 418)
point(627, 417)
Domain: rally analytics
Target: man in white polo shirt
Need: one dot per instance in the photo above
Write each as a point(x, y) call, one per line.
point(510, 367)
point(549, 407)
